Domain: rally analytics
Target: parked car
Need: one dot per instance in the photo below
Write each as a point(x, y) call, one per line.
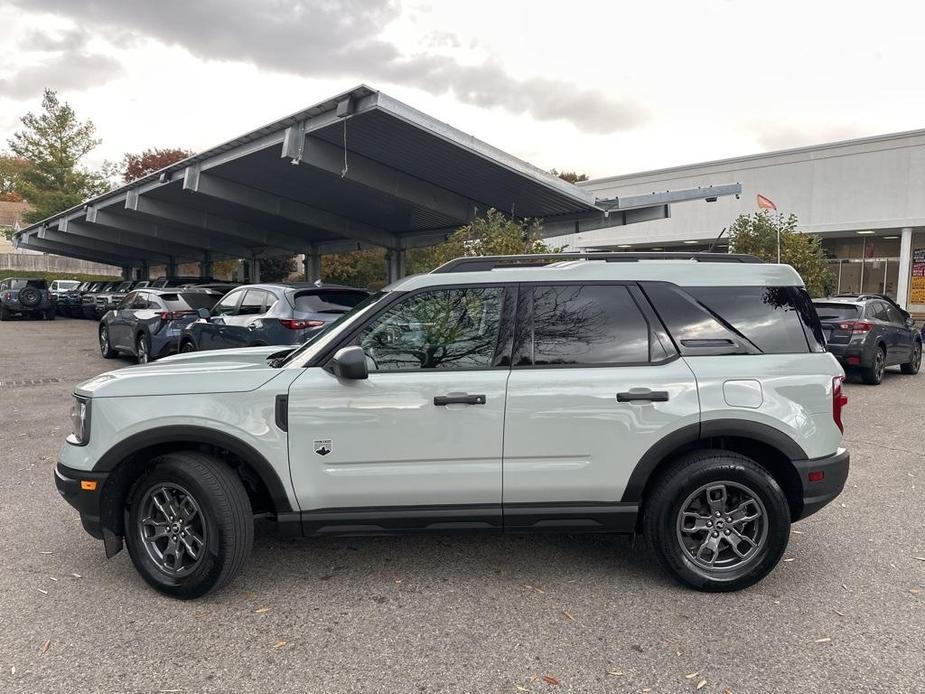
point(108, 300)
point(269, 314)
point(163, 282)
point(88, 299)
point(223, 287)
point(69, 301)
point(25, 296)
point(691, 401)
point(869, 332)
point(147, 323)
point(59, 289)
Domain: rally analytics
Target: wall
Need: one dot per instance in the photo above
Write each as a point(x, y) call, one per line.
point(30, 262)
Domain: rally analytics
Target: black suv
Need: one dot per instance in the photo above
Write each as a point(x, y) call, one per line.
point(25, 296)
point(869, 332)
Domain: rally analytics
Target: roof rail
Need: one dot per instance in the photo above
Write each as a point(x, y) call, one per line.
point(490, 262)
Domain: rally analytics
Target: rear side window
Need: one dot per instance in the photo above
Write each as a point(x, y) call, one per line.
point(254, 302)
point(190, 300)
point(328, 301)
point(22, 284)
point(837, 311)
point(587, 325)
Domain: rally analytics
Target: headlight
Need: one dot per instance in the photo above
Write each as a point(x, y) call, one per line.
point(80, 421)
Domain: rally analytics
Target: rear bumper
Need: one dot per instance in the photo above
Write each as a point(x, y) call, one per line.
point(87, 502)
point(834, 473)
point(850, 354)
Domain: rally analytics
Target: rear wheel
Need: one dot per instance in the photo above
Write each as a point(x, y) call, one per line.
point(717, 521)
point(188, 346)
point(143, 348)
point(190, 526)
point(105, 347)
point(911, 367)
point(5, 313)
point(873, 374)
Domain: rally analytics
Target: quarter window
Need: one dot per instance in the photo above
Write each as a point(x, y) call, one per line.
point(439, 329)
point(253, 302)
point(227, 305)
point(587, 325)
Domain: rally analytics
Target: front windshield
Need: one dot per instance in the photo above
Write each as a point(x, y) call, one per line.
point(334, 325)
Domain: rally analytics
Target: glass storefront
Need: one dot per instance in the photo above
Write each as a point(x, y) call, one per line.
point(869, 265)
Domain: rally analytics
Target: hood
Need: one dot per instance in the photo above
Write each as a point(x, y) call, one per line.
point(219, 371)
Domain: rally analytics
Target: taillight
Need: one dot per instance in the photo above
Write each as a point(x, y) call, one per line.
point(839, 400)
point(173, 315)
point(857, 327)
point(293, 324)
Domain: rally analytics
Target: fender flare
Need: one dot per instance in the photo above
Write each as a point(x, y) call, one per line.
point(195, 435)
point(739, 428)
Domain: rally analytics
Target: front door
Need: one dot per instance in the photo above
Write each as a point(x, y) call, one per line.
point(417, 444)
point(593, 387)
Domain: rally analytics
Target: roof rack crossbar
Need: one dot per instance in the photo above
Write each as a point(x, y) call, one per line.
point(490, 262)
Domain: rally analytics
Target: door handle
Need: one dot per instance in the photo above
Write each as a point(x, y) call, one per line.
point(459, 399)
point(643, 395)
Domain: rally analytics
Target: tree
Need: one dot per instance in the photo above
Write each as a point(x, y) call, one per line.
point(757, 235)
point(54, 142)
point(492, 234)
point(364, 268)
point(135, 166)
point(11, 171)
point(570, 176)
point(276, 269)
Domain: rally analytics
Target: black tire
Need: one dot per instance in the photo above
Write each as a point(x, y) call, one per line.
point(225, 521)
point(911, 367)
point(5, 313)
point(873, 375)
point(30, 297)
point(49, 314)
point(188, 346)
point(106, 349)
point(143, 348)
point(739, 477)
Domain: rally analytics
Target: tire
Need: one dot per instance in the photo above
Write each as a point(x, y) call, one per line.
point(5, 313)
point(873, 375)
point(143, 348)
point(188, 346)
point(221, 527)
point(30, 297)
point(685, 486)
point(911, 367)
point(106, 349)
point(49, 314)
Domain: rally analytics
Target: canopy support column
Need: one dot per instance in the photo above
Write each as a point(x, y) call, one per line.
point(171, 268)
point(312, 264)
point(205, 266)
point(395, 259)
point(254, 266)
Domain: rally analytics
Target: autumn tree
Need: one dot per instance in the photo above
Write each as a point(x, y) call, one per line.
point(53, 142)
point(364, 268)
point(135, 166)
point(757, 234)
point(570, 176)
point(11, 171)
point(276, 269)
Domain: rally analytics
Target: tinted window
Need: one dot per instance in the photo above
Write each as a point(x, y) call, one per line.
point(328, 301)
point(440, 329)
point(190, 301)
point(771, 318)
point(893, 315)
point(587, 325)
point(21, 284)
point(227, 305)
point(254, 302)
point(128, 300)
point(140, 301)
point(837, 311)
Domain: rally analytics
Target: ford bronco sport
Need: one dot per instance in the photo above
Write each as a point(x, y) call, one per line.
point(688, 398)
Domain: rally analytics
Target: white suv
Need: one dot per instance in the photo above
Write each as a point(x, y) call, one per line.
point(689, 398)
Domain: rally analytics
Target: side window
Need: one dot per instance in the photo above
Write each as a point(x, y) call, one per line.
point(587, 325)
point(894, 316)
point(140, 301)
point(438, 329)
point(253, 303)
point(228, 304)
point(127, 301)
point(877, 310)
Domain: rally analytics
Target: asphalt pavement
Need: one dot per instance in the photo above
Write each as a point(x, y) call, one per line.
point(844, 611)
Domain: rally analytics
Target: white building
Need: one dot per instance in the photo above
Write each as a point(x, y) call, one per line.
point(864, 197)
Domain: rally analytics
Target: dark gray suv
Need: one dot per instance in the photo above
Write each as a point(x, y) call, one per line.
point(869, 332)
point(269, 314)
point(25, 296)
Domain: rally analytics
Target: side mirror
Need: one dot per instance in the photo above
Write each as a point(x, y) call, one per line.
point(204, 313)
point(350, 363)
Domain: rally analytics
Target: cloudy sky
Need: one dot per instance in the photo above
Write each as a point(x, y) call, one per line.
point(601, 87)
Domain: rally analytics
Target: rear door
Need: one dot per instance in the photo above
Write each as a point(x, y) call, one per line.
point(904, 336)
point(118, 325)
point(240, 329)
point(595, 383)
point(208, 333)
point(886, 330)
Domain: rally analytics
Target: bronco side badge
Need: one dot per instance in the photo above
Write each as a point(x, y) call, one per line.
point(323, 446)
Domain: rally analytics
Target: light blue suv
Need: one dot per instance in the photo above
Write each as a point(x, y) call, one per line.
point(688, 398)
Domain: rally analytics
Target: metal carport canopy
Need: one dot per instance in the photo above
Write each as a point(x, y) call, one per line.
point(361, 169)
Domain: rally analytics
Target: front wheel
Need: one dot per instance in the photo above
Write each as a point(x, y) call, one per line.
point(143, 348)
point(188, 346)
point(190, 526)
point(717, 521)
point(911, 367)
point(873, 375)
point(105, 346)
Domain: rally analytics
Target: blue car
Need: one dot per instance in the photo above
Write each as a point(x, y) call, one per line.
point(269, 314)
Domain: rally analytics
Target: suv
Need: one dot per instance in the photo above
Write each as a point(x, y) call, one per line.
point(25, 297)
point(689, 398)
point(109, 300)
point(59, 289)
point(869, 332)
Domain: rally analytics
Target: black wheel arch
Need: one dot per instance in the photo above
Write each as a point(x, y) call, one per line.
point(128, 460)
point(769, 447)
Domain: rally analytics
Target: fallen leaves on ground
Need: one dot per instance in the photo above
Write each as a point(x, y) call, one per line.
point(616, 673)
point(522, 689)
point(549, 679)
point(691, 676)
point(915, 591)
point(569, 615)
point(261, 610)
point(701, 684)
point(279, 644)
point(823, 640)
point(45, 646)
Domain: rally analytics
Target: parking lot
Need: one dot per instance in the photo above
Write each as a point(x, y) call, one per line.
point(844, 611)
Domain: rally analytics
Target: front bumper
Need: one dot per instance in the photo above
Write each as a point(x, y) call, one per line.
point(86, 501)
point(834, 472)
